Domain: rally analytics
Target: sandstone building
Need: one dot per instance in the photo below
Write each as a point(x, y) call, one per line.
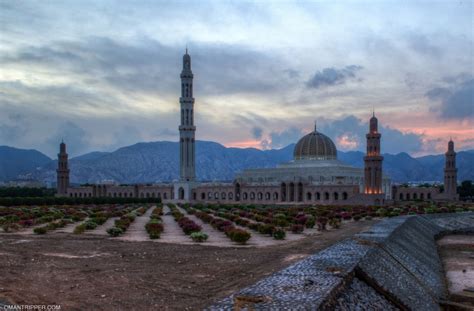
point(314, 176)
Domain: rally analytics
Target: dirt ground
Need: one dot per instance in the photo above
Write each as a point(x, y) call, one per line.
point(457, 255)
point(99, 273)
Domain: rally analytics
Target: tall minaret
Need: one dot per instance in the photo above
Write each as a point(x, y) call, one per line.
point(373, 160)
point(187, 128)
point(62, 171)
point(450, 173)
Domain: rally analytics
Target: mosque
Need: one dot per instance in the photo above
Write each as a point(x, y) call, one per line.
point(314, 176)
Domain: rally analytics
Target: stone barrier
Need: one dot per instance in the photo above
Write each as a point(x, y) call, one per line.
point(394, 265)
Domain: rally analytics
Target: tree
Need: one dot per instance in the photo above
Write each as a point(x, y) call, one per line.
point(466, 190)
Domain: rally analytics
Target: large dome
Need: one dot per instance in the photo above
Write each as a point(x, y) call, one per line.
point(315, 146)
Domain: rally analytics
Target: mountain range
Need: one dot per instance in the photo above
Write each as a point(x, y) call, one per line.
point(158, 162)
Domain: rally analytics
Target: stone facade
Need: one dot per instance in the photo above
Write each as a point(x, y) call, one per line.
point(402, 193)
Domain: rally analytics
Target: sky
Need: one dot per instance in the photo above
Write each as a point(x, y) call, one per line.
point(105, 74)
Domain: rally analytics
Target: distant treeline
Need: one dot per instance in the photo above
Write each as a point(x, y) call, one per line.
point(16, 201)
point(23, 192)
point(466, 190)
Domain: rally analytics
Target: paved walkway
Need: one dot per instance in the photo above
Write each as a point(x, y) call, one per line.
point(137, 231)
point(172, 232)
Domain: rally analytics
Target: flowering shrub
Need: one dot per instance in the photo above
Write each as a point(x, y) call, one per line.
point(297, 228)
point(154, 228)
point(301, 219)
point(322, 221)
point(188, 225)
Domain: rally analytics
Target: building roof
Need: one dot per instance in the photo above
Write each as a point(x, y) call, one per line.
point(315, 146)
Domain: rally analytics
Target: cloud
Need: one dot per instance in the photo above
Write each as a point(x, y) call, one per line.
point(455, 101)
point(284, 138)
point(349, 134)
point(257, 132)
point(74, 136)
point(332, 76)
point(147, 65)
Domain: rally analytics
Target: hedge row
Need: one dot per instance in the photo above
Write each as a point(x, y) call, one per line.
point(72, 201)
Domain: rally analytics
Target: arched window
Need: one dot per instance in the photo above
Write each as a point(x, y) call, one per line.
point(415, 196)
point(203, 196)
point(231, 196)
point(223, 195)
point(209, 195)
point(267, 196)
point(336, 196)
point(401, 196)
point(308, 196)
point(275, 196)
point(165, 195)
point(216, 195)
point(259, 196)
point(408, 196)
point(422, 196)
point(244, 196)
point(252, 195)
point(326, 195)
point(428, 196)
point(344, 195)
point(318, 196)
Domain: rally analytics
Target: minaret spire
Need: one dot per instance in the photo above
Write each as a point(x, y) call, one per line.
point(187, 128)
point(373, 159)
point(62, 173)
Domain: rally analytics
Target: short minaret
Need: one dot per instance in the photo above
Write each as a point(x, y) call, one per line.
point(450, 173)
point(187, 128)
point(373, 160)
point(62, 171)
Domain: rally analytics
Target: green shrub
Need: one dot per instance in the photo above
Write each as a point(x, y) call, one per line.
point(40, 230)
point(335, 223)
point(114, 231)
point(238, 235)
point(90, 225)
point(199, 237)
point(310, 221)
point(266, 229)
point(80, 229)
point(279, 234)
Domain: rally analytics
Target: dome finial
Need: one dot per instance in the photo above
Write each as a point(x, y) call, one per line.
point(186, 49)
point(315, 128)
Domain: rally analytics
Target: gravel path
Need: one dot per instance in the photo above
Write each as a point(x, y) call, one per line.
point(29, 230)
point(172, 232)
point(215, 237)
point(137, 231)
point(102, 230)
point(69, 228)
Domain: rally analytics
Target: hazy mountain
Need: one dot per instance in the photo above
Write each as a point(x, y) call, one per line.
point(158, 161)
point(14, 161)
